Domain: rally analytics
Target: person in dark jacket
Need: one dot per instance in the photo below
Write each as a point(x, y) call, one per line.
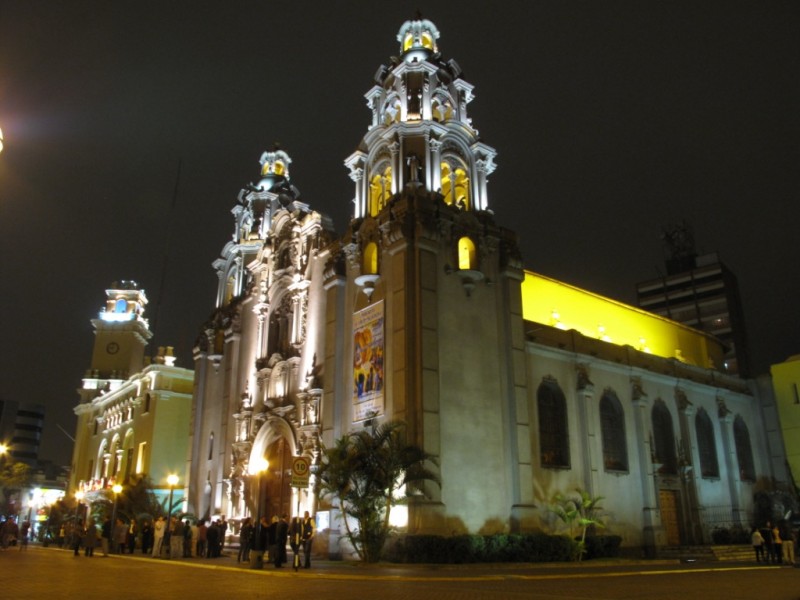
point(212, 538)
point(147, 537)
point(246, 540)
point(281, 535)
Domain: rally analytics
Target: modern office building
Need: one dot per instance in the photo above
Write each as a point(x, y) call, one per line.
point(21, 430)
point(699, 291)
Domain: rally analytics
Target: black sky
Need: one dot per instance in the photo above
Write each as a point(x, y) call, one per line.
point(611, 120)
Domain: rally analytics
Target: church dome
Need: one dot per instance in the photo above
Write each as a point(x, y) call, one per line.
point(417, 40)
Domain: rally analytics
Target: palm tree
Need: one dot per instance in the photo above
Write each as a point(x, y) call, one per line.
point(367, 471)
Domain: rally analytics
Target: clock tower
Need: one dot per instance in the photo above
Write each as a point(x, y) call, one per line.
point(121, 334)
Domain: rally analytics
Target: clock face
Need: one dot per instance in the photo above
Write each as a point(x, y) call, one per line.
point(112, 348)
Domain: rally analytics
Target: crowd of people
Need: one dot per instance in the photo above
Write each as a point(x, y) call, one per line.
point(13, 533)
point(181, 538)
point(775, 543)
point(269, 538)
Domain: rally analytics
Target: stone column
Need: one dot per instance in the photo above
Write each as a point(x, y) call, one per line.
point(592, 449)
point(731, 460)
point(652, 530)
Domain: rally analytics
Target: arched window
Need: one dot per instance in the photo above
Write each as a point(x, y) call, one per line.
point(706, 444)
point(553, 435)
point(211, 446)
point(121, 306)
point(455, 185)
point(380, 190)
point(441, 109)
point(744, 452)
point(369, 264)
point(466, 255)
point(612, 427)
point(664, 439)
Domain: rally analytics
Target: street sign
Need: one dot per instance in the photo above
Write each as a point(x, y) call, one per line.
point(300, 471)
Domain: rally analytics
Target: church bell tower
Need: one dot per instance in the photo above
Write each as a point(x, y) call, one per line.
point(434, 285)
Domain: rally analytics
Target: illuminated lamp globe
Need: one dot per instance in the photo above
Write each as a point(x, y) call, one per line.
point(172, 480)
point(117, 488)
point(258, 465)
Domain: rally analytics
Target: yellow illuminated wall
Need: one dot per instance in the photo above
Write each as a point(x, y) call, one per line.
point(560, 305)
point(786, 383)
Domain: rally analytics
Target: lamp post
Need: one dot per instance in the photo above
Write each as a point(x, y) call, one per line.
point(116, 488)
point(172, 481)
point(257, 468)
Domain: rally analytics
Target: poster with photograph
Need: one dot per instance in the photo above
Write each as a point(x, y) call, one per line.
point(368, 374)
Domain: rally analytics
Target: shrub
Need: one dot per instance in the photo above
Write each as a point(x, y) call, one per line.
point(462, 549)
point(602, 546)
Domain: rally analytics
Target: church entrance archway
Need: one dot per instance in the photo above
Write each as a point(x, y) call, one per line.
point(277, 488)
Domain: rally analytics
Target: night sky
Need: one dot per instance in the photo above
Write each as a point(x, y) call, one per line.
point(611, 121)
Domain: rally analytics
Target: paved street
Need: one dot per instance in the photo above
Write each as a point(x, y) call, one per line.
point(51, 572)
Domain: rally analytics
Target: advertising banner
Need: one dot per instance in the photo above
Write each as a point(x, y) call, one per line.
point(368, 349)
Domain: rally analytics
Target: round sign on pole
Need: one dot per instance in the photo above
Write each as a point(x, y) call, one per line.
point(301, 468)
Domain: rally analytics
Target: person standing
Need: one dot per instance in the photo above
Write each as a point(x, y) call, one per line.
point(77, 537)
point(777, 544)
point(195, 537)
point(281, 534)
point(23, 535)
point(223, 531)
point(246, 533)
point(758, 544)
point(212, 539)
point(105, 535)
point(175, 538)
point(202, 538)
point(766, 534)
point(788, 543)
point(158, 536)
point(131, 539)
point(89, 538)
point(271, 534)
point(147, 537)
point(187, 539)
point(120, 537)
point(308, 530)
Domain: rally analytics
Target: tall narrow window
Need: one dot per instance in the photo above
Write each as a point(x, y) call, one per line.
point(553, 434)
point(664, 439)
point(466, 255)
point(140, 458)
point(455, 185)
point(744, 451)
point(370, 259)
point(211, 446)
point(380, 190)
point(706, 444)
point(612, 427)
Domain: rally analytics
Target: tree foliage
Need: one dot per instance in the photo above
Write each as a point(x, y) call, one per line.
point(14, 476)
point(369, 472)
point(582, 511)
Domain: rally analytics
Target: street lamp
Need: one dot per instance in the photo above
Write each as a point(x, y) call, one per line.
point(79, 497)
point(116, 488)
point(257, 468)
point(172, 480)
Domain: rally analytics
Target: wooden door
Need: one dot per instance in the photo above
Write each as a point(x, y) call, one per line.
point(278, 492)
point(670, 518)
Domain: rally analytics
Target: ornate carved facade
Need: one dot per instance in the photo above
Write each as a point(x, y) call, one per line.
point(416, 313)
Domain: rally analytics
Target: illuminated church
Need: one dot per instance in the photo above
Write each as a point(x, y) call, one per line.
point(522, 387)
